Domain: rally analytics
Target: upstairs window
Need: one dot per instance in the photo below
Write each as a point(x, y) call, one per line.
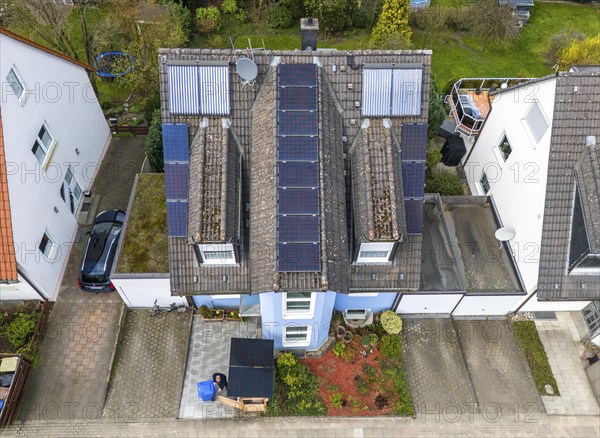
point(42, 144)
point(15, 83)
point(374, 254)
point(298, 305)
point(296, 336)
point(216, 254)
point(536, 122)
point(505, 148)
point(484, 183)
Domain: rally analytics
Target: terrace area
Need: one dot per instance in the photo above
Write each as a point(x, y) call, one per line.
point(470, 101)
point(460, 251)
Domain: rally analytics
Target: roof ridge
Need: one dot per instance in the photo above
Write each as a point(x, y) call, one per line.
point(33, 44)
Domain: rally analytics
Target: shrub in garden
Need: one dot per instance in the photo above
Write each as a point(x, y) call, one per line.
point(337, 399)
point(153, 147)
point(381, 401)
point(392, 23)
point(229, 7)
point(280, 17)
point(300, 386)
point(20, 330)
point(444, 183)
point(339, 348)
point(391, 346)
point(391, 322)
point(208, 19)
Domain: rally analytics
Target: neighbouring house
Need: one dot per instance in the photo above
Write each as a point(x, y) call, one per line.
point(294, 182)
point(521, 10)
point(53, 136)
point(532, 151)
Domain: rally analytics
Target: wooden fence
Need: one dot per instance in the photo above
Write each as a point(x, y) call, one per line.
point(135, 130)
point(11, 403)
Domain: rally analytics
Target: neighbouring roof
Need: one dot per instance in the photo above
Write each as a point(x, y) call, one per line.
point(14, 36)
point(145, 245)
point(571, 164)
point(377, 180)
point(252, 109)
point(8, 260)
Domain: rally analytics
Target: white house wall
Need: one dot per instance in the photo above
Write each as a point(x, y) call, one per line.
point(486, 305)
point(432, 303)
point(517, 185)
point(18, 291)
point(60, 94)
point(533, 305)
point(141, 292)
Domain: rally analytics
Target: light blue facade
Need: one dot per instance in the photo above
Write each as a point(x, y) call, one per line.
point(218, 302)
point(273, 321)
point(379, 303)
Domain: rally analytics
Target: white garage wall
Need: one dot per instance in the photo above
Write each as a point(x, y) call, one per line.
point(428, 303)
point(486, 305)
point(141, 292)
point(533, 305)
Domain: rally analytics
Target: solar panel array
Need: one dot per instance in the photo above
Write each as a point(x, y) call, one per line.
point(199, 89)
point(391, 91)
point(176, 153)
point(414, 148)
point(298, 211)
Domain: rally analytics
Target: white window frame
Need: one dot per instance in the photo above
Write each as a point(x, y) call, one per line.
point(47, 149)
point(498, 150)
point(363, 294)
point(480, 187)
point(217, 248)
point(525, 122)
point(585, 271)
point(50, 250)
point(69, 190)
point(300, 313)
point(22, 98)
point(302, 343)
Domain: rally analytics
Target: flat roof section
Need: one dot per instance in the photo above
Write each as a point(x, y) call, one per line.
point(460, 250)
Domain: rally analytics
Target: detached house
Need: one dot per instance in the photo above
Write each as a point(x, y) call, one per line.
point(294, 182)
point(53, 135)
point(531, 147)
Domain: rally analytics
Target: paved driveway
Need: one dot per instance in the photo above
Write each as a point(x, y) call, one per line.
point(435, 368)
point(76, 354)
point(497, 368)
point(147, 375)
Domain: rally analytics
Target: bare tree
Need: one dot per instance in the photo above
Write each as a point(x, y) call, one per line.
point(491, 21)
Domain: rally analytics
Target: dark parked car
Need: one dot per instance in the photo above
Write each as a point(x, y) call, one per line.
point(100, 252)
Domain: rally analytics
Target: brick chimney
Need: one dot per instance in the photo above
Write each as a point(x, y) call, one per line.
point(309, 27)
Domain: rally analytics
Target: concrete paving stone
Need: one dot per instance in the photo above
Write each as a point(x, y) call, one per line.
point(500, 376)
point(435, 368)
point(149, 364)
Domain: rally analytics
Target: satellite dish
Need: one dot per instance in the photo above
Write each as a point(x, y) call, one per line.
point(504, 234)
point(246, 68)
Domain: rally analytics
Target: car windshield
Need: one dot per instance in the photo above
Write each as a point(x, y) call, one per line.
point(106, 227)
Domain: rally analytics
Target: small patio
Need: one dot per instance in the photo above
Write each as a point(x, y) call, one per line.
point(208, 354)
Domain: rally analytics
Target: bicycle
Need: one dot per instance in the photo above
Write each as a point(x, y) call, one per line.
point(156, 309)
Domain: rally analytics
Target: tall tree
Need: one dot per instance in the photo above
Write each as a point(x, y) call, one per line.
point(392, 23)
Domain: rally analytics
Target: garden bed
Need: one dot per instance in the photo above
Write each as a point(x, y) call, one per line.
point(22, 328)
point(534, 352)
point(364, 378)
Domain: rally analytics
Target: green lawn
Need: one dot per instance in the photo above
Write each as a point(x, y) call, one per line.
point(145, 249)
point(456, 56)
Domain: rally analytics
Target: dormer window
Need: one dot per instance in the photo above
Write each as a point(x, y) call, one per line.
point(582, 260)
point(216, 254)
point(375, 252)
